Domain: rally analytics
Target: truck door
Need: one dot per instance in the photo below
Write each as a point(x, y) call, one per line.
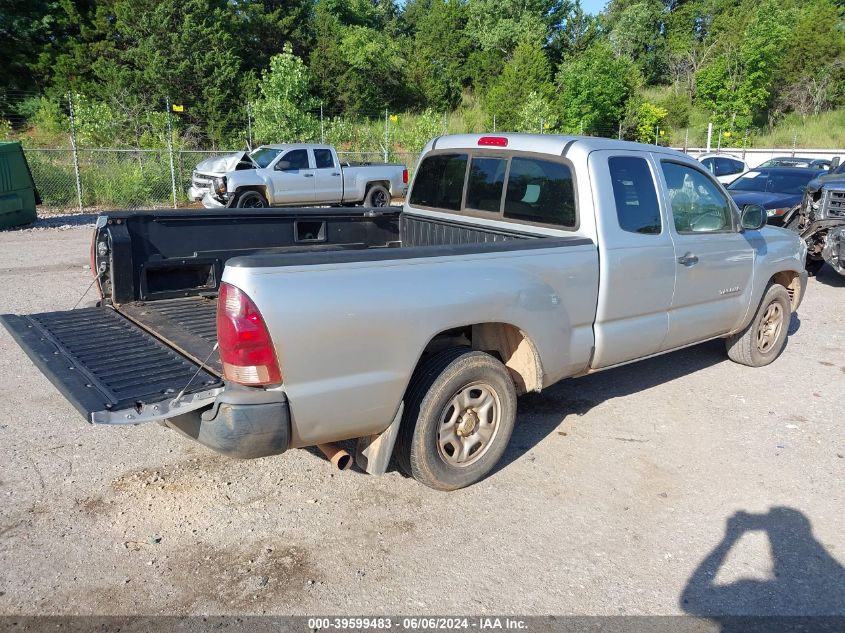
point(713, 260)
point(328, 176)
point(637, 258)
point(293, 178)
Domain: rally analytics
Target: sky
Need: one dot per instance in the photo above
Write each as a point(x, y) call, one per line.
point(593, 6)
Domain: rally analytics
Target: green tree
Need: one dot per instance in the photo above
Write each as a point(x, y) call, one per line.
point(811, 75)
point(529, 72)
point(179, 49)
point(502, 25)
point(441, 47)
point(646, 118)
point(284, 109)
point(737, 86)
point(638, 33)
point(594, 90)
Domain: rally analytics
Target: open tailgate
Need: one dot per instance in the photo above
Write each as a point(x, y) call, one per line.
point(109, 368)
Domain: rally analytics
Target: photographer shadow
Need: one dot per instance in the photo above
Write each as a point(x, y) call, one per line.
point(807, 587)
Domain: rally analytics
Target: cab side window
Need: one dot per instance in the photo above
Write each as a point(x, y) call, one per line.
point(698, 205)
point(323, 158)
point(293, 160)
point(636, 198)
point(727, 166)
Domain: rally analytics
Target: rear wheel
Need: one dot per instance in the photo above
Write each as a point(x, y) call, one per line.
point(763, 340)
point(377, 196)
point(251, 200)
point(460, 410)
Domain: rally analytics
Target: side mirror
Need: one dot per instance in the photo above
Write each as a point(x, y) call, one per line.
point(283, 165)
point(753, 217)
point(834, 164)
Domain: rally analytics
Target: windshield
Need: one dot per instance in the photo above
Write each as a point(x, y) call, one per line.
point(263, 156)
point(773, 182)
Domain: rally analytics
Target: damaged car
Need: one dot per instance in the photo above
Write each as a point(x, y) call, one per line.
point(294, 175)
point(820, 221)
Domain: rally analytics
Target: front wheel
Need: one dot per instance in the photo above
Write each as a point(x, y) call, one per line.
point(460, 410)
point(377, 196)
point(763, 340)
point(251, 200)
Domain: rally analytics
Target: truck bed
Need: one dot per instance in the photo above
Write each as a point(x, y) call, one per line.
point(154, 334)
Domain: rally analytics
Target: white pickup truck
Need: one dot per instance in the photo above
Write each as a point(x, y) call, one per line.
point(294, 175)
point(517, 261)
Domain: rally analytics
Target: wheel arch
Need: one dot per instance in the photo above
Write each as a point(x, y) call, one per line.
point(260, 188)
point(507, 342)
point(791, 280)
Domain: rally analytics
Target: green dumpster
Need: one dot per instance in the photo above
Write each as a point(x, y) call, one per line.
point(18, 196)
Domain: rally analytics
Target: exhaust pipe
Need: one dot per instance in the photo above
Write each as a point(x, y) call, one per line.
point(336, 455)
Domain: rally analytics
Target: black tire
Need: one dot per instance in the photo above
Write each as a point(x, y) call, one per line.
point(251, 199)
point(813, 266)
point(377, 196)
point(449, 375)
point(745, 347)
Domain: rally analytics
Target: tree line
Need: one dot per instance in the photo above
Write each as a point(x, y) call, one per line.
point(526, 65)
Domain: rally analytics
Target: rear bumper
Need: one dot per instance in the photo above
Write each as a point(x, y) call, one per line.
point(236, 427)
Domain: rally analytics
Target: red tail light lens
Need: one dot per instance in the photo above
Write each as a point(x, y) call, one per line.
point(246, 349)
point(405, 176)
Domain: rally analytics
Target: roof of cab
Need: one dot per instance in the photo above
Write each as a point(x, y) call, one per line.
point(542, 143)
point(295, 146)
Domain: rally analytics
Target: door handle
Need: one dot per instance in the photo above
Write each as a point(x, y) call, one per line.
point(308, 175)
point(688, 259)
point(335, 174)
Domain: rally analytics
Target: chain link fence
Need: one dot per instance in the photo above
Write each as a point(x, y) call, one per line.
point(87, 180)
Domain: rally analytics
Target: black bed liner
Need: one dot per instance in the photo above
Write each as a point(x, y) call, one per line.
point(188, 324)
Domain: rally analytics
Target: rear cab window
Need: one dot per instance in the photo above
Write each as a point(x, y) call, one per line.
point(518, 187)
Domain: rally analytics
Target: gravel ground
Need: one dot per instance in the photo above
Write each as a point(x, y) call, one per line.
point(682, 484)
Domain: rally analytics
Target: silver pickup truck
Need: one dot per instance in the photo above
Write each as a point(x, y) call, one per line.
point(517, 261)
point(294, 175)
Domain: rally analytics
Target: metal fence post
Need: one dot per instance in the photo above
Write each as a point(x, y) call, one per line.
point(709, 134)
point(170, 151)
point(794, 141)
point(75, 151)
point(494, 122)
point(620, 131)
point(686, 140)
point(386, 133)
point(249, 124)
point(322, 127)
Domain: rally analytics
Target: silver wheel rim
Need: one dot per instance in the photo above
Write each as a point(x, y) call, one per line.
point(770, 326)
point(469, 424)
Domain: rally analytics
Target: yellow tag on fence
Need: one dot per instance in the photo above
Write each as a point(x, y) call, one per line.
point(178, 108)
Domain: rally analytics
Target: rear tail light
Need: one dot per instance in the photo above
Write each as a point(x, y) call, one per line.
point(246, 350)
point(405, 176)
